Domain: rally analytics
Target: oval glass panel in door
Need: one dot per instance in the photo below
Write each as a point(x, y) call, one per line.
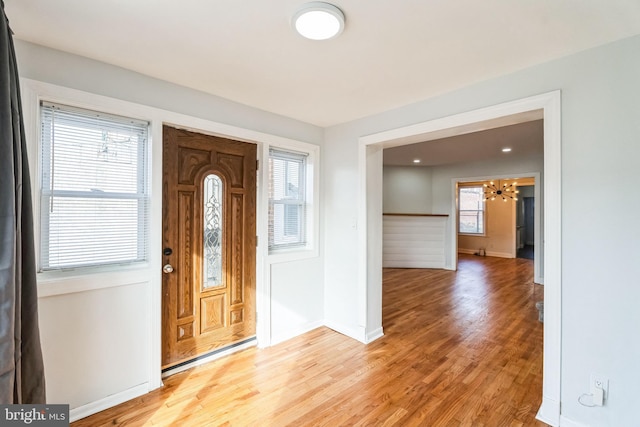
point(212, 251)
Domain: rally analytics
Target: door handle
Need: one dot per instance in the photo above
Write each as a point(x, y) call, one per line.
point(168, 268)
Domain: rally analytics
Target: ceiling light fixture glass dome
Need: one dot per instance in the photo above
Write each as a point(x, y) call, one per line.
point(318, 21)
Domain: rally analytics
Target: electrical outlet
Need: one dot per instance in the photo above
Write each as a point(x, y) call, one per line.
point(598, 382)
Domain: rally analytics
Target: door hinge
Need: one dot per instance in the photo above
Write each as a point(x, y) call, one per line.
point(256, 241)
point(257, 164)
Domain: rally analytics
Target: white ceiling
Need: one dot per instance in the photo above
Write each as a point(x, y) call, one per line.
point(524, 139)
point(391, 53)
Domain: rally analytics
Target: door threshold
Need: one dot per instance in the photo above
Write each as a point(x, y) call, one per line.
point(210, 356)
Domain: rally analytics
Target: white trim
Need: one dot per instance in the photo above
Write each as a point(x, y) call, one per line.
point(312, 248)
point(567, 422)
point(369, 250)
point(263, 268)
point(34, 91)
point(552, 372)
point(357, 334)
point(467, 251)
point(537, 231)
point(456, 202)
point(500, 254)
point(52, 285)
point(549, 412)
point(487, 253)
point(517, 111)
point(361, 228)
point(277, 339)
point(108, 402)
point(374, 335)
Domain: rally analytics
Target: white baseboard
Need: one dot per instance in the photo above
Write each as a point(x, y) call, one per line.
point(356, 334)
point(500, 254)
point(277, 339)
point(487, 253)
point(549, 412)
point(566, 422)
point(374, 335)
point(108, 402)
point(467, 251)
point(118, 398)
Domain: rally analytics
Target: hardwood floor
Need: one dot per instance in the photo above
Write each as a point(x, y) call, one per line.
point(460, 349)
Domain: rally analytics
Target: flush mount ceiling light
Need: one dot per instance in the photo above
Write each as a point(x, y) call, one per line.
point(318, 21)
point(506, 149)
point(416, 160)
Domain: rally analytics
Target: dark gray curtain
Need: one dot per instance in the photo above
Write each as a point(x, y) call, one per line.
point(21, 368)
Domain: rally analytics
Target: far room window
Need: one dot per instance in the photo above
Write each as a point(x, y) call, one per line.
point(287, 200)
point(94, 188)
point(471, 210)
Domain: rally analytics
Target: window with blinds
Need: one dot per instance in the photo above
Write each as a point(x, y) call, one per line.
point(287, 200)
point(94, 188)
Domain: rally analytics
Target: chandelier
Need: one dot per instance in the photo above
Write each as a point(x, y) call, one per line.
point(502, 190)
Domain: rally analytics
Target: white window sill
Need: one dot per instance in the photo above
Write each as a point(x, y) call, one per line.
point(52, 283)
point(294, 254)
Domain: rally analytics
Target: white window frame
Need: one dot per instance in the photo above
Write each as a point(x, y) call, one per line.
point(143, 194)
point(300, 201)
point(60, 282)
point(311, 180)
point(484, 212)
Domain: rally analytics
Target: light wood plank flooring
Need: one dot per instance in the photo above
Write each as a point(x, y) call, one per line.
point(460, 349)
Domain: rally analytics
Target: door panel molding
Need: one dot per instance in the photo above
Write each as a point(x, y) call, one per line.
point(198, 319)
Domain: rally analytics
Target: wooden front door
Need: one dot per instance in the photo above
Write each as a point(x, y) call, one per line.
point(209, 244)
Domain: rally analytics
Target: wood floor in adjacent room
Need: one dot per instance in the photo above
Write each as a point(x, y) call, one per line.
point(460, 349)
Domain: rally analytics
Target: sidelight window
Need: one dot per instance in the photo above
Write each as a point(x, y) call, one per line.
point(287, 199)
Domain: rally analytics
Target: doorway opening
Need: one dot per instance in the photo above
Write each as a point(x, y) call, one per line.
point(503, 233)
point(546, 106)
point(525, 224)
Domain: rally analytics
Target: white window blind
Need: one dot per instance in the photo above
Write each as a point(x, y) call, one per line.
point(94, 189)
point(287, 199)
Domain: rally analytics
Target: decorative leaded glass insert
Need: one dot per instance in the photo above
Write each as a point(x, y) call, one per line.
point(212, 250)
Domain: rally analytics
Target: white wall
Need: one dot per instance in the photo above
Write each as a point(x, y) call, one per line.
point(95, 344)
point(61, 68)
point(99, 340)
point(340, 220)
point(436, 182)
point(296, 302)
point(406, 189)
point(600, 251)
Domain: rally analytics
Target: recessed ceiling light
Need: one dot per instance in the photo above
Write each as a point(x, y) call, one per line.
point(506, 149)
point(318, 21)
point(416, 160)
